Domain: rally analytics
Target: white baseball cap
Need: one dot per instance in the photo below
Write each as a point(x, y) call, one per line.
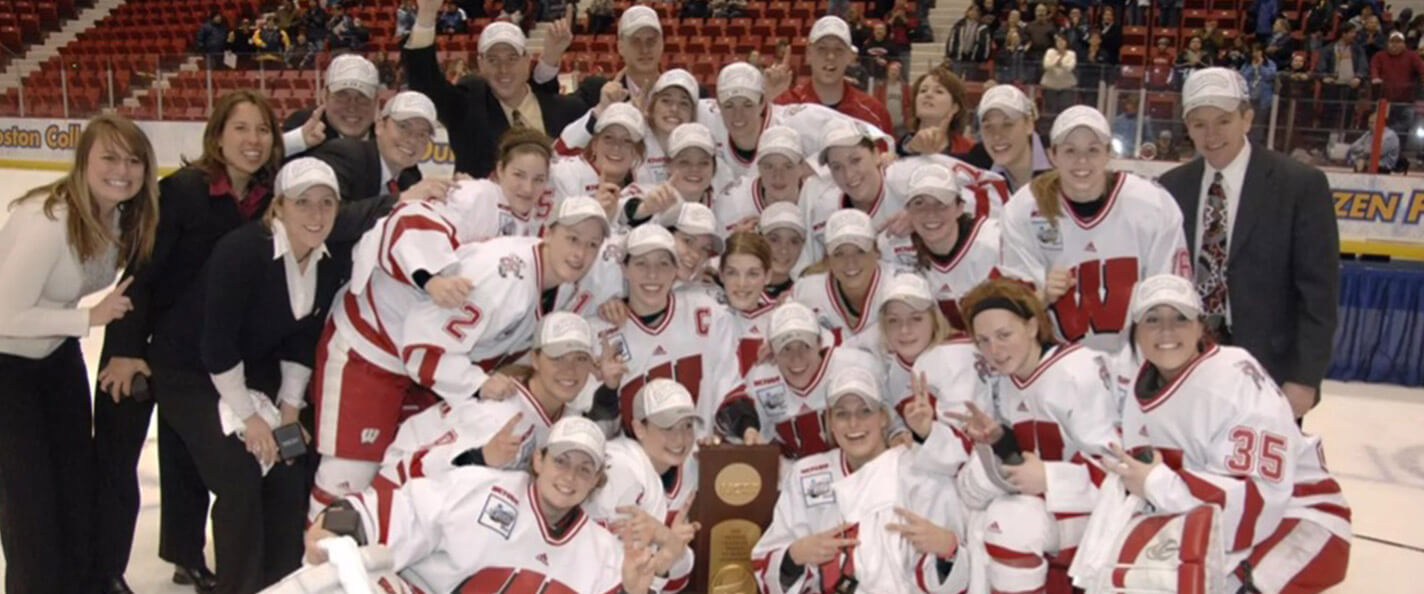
point(849, 225)
point(1165, 289)
point(638, 17)
point(694, 218)
point(831, 26)
point(664, 402)
point(1078, 116)
point(350, 71)
point(840, 134)
point(793, 322)
point(408, 105)
point(1222, 88)
point(502, 32)
point(780, 140)
point(302, 173)
point(854, 380)
point(691, 135)
point(647, 238)
point(779, 215)
point(561, 333)
point(621, 114)
point(681, 79)
point(740, 79)
point(576, 209)
point(1008, 99)
point(576, 433)
point(910, 288)
point(1396, 35)
point(935, 181)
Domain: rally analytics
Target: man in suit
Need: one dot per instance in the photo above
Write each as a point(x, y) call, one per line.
point(479, 109)
point(1262, 230)
point(386, 166)
point(640, 45)
point(348, 112)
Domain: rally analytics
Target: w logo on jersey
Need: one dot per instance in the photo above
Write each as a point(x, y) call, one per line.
point(1097, 304)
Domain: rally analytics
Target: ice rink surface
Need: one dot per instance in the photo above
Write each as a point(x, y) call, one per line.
point(1374, 444)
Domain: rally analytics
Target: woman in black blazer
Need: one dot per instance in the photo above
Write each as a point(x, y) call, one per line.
point(233, 366)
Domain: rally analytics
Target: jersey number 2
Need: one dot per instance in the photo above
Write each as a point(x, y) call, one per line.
point(1261, 451)
point(468, 317)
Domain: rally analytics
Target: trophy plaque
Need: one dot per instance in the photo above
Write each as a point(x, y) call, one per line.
point(736, 497)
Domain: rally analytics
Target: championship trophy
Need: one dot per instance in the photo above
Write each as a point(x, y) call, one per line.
point(735, 499)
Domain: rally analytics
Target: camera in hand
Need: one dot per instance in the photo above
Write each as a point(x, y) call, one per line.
point(1007, 448)
point(138, 388)
point(291, 443)
point(340, 519)
point(1143, 454)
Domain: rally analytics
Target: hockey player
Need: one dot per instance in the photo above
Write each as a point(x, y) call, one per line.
point(780, 173)
point(745, 270)
point(784, 400)
point(674, 101)
point(952, 249)
point(910, 325)
point(1009, 145)
point(1220, 432)
point(785, 231)
point(847, 297)
point(606, 167)
point(504, 205)
point(652, 474)
point(1054, 416)
point(690, 172)
point(843, 521)
point(857, 181)
point(499, 431)
point(684, 335)
point(484, 530)
point(1083, 235)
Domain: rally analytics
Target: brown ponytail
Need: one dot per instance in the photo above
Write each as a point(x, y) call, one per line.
point(1045, 188)
point(520, 140)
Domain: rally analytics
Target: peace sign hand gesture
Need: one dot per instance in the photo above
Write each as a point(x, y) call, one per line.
point(920, 413)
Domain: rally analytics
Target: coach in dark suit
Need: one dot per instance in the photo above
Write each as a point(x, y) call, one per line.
point(480, 108)
point(387, 164)
point(1263, 235)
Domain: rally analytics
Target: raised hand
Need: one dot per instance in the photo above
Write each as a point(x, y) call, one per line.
point(611, 366)
point(919, 413)
point(1060, 281)
point(638, 567)
point(314, 131)
point(557, 39)
point(777, 79)
point(113, 306)
point(821, 547)
point(607, 197)
point(927, 537)
point(928, 141)
point(978, 425)
point(503, 448)
point(612, 92)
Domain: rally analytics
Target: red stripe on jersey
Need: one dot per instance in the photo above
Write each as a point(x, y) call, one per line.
point(1325, 487)
point(1171, 387)
point(1339, 511)
point(968, 246)
point(920, 574)
point(385, 490)
point(1102, 213)
point(820, 374)
point(1095, 473)
point(864, 307)
point(1202, 489)
point(1012, 558)
point(372, 335)
point(1266, 546)
point(1043, 366)
point(430, 359)
point(1196, 537)
point(677, 584)
point(417, 464)
point(1246, 530)
point(1132, 546)
point(415, 223)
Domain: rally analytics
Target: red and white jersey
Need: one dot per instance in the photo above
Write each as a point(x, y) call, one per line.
point(827, 198)
point(751, 330)
point(818, 292)
point(653, 170)
point(820, 492)
point(957, 375)
point(427, 443)
point(639, 190)
point(568, 176)
point(477, 529)
point(1136, 234)
point(746, 198)
point(692, 344)
point(1227, 436)
point(450, 351)
point(481, 211)
point(794, 416)
point(810, 121)
point(632, 481)
point(1065, 412)
point(976, 262)
point(984, 192)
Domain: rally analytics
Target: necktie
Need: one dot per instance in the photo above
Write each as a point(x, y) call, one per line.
point(393, 187)
point(519, 120)
point(1211, 258)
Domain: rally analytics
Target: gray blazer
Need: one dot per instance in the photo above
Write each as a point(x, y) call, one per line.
point(1283, 269)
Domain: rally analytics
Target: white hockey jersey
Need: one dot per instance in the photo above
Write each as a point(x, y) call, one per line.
point(632, 481)
point(818, 292)
point(481, 211)
point(750, 331)
point(746, 198)
point(1066, 413)
point(693, 344)
point(477, 529)
point(810, 121)
point(824, 198)
point(653, 170)
point(795, 417)
point(1136, 234)
point(984, 192)
point(1227, 436)
point(976, 262)
point(450, 351)
point(820, 493)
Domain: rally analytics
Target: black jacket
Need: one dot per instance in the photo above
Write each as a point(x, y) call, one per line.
point(357, 164)
point(472, 115)
point(300, 117)
point(1283, 269)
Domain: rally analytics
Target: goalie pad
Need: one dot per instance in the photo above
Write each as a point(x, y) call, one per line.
point(364, 570)
point(982, 479)
point(1182, 553)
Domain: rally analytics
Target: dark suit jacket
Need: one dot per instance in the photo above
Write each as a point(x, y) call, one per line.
point(472, 115)
point(590, 91)
point(300, 117)
point(357, 164)
point(1283, 269)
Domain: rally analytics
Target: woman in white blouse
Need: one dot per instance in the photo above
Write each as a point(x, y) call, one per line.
point(62, 242)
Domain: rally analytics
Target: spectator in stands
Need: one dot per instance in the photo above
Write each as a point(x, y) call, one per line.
point(1358, 157)
point(1358, 12)
point(348, 111)
point(878, 9)
point(640, 44)
point(1317, 21)
point(1169, 13)
point(270, 42)
point(1112, 34)
point(894, 93)
point(1298, 82)
point(1011, 61)
point(1342, 67)
point(1014, 22)
point(338, 27)
point(1094, 66)
point(481, 108)
point(1280, 46)
point(1136, 12)
point(303, 52)
point(1076, 29)
point(552, 10)
point(1212, 37)
point(600, 16)
point(1124, 127)
point(1400, 74)
point(1233, 54)
point(1414, 34)
point(1164, 52)
point(969, 41)
point(314, 20)
point(1060, 76)
point(898, 23)
point(1193, 57)
point(1372, 37)
point(287, 16)
point(860, 29)
point(357, 35)
point(451, 19)
point(388, 72)
point(938, 117)
point(239, 40)
point(1260, 75)
point(456, 70)
point(1040, 32)
point(728, 9)
point(830, 52)
point(695, 9)
point(212, 40)
point(405, 18)
point(878, 52)
point(514, 11)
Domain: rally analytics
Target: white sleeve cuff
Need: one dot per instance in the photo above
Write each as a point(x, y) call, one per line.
point(420, 37)
point(294, 142)
point(232, 389)
point(545, 72)
point(295, 378)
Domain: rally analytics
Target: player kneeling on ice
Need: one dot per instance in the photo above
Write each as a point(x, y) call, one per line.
point(843, 521)
point(478, 529)
point(1207, 425)
point(1035, 475)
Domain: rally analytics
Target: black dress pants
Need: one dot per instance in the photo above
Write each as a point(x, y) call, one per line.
point(258, 521)
point(46, 472)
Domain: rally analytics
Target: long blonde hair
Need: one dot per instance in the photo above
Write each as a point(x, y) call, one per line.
point(138, 217)
point(1046, 187)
